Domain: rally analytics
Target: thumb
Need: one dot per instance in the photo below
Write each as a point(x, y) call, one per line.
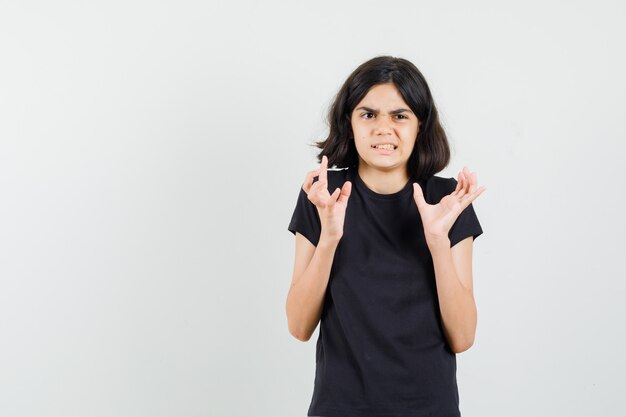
point(345, 192)
point(418, 195)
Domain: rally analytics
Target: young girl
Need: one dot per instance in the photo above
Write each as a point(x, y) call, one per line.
point(384, 253)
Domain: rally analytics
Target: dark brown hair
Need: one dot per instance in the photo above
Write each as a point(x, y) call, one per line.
point(431, 152)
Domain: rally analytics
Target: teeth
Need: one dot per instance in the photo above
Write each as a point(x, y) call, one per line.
point(388, 146)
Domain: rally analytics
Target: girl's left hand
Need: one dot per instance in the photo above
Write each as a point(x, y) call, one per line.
point(439, 218)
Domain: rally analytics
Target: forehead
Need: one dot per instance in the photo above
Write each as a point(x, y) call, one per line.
point(385, 95)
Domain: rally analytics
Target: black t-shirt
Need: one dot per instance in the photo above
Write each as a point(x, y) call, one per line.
point(381, 350)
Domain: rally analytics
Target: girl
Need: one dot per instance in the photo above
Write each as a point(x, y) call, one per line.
point(384, 253)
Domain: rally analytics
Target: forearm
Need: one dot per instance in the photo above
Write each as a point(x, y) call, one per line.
point(306, 295)
point(456, 302)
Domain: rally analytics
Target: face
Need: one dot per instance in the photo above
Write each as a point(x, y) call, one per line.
point(383, 117)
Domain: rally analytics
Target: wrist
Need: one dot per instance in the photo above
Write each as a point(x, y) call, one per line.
point(328, 240)
point(438, 243)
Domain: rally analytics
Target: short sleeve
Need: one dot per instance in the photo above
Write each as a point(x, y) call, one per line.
point(305, 219)
point(466, 224)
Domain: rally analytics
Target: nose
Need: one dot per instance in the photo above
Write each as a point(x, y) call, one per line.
point(383, 124)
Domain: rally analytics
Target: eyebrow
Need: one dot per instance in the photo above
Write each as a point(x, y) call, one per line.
point(396, 111)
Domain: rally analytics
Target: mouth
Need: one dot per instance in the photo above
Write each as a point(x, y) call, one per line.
point(385, 150)
point(385, 147)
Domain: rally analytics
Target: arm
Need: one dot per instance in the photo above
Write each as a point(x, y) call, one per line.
point(312, 266)
point(453, 275)
point(308, 287)
point(453, 266)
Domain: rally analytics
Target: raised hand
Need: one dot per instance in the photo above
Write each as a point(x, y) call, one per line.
point(331, 207)
point(439, 218)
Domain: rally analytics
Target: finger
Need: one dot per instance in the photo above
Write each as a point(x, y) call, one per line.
point(317, 193)
point(319, 187)
point(459, 183)
point(467, 183)
point(323, 167)
point(333, 197)
point(462, 190)
point(473, 182)
point(346, 189)
point(471, 197)
point(458, 186)
point(472, 179)
point(308, 180)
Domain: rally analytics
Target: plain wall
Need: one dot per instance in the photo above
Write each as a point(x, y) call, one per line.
point(151, 154)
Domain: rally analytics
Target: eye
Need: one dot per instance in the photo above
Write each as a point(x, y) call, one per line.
point(366, 114)
point(403, 116)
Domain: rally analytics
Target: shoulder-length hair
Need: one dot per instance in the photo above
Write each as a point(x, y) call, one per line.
point(431, 152)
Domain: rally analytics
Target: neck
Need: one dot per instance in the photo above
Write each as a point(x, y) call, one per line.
point(381, 181)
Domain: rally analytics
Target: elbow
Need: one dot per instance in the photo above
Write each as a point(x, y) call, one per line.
point(298, 331)
point(462, 347)
point(300, 335)
point(302, 338)
point(301, 327)
point(297, 328)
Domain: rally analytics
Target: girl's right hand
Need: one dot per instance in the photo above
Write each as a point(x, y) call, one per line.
point(331, 207)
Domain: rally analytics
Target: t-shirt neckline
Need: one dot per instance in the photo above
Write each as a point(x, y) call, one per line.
point(370, 193)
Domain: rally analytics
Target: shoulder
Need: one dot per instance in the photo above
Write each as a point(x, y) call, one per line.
point(437, 187)
point(444, 183)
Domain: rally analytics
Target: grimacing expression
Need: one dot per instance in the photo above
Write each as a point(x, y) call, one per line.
point(382, 117)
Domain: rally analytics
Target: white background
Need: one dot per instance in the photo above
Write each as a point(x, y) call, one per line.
point(151, 154)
